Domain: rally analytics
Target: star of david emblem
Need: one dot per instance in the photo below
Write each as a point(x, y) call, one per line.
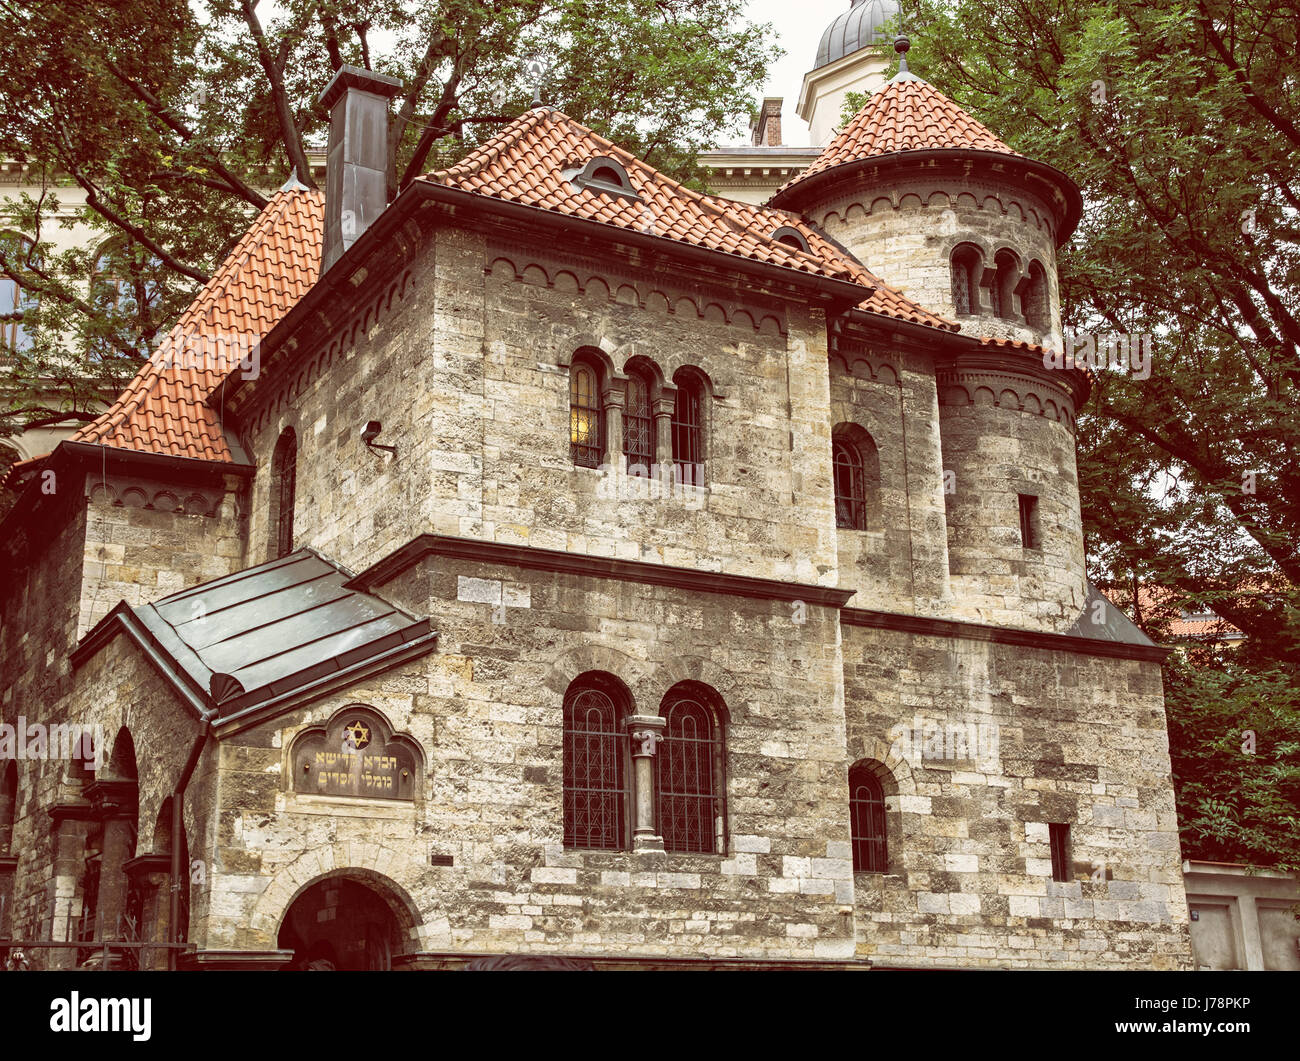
point(356, 736)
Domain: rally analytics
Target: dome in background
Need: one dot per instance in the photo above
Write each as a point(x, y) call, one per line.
point(859, 27)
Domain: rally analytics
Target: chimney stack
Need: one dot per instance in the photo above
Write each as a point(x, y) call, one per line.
point(356, 172)
point(767, 130)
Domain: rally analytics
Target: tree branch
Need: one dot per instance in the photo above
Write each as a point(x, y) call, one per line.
point(279, 96)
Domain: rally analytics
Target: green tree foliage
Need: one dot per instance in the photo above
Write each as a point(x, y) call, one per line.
point(1177, 119)
point(1234, 735)
point(172, 119)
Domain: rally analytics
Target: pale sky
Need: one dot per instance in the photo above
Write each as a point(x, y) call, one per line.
point(799, 28)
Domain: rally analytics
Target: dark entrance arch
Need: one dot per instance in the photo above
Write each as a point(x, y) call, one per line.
point(345, 922)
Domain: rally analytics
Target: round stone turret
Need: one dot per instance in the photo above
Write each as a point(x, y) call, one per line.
point(941, 209)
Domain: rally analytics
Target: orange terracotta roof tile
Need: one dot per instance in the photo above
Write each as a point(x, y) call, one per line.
point(527, 162)
point(163, 410)
point(905, 114)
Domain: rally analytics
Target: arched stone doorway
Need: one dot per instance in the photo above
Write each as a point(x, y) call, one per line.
point(349, 920)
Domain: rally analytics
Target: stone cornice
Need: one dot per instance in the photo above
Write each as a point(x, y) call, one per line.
point(563, 562)
point(1002, 635)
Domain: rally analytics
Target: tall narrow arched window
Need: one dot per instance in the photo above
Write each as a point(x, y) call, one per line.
point(8, 804)
point(595, 768)
point(284, 475)
point(688, 428)
point(967, 265)
point(850, 492)
point(1004, 286)
point(689, 775)
point(867, 820)
point(639, 430)
point(16, 302)
point(586, 427)
point(856, 469)
point(1037, 309)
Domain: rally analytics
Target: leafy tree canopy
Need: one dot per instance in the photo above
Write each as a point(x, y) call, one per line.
point(172, 119)
point(1177, 120)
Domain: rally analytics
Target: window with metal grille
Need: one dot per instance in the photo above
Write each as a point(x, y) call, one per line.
point(284, 483)
point(640, 426)
point(1058, 836)
point(850, 488)
point(688, 432)
point(687, 783)
point(585, 434)
point(594, 786)
point(1029, 536)
point(867, 820)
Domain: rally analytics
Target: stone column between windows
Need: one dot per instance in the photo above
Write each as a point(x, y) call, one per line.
point(71, 823)
point(115, 806)
point(647, 731)
point(662, 409)
point(613, 398)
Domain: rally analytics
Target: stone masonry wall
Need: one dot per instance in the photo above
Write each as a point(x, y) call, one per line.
point(1056, 737)
point(900, 562)
point(997, 452)
point(468, 370)
point(487, 709)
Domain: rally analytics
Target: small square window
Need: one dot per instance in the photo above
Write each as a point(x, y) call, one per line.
point(1030, 537)
point(1058, 836)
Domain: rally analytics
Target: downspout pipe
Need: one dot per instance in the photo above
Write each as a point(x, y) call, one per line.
point(178, 825)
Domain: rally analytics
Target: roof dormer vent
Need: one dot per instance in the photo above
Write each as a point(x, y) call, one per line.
point(792, 237)
point(606, 176)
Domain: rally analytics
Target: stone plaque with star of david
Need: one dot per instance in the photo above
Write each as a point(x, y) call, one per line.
point(355, 755)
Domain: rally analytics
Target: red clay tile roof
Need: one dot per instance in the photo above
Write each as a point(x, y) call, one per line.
point(1157, 601)
point(527, 161)
point(163, 410)
point(905, 114)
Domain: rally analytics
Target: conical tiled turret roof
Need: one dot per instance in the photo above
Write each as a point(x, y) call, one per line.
point(906, 114)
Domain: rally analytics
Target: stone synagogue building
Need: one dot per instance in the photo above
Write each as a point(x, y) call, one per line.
point(556, 561)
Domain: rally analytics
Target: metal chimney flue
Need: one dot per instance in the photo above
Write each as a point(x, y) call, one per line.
point(356, 167)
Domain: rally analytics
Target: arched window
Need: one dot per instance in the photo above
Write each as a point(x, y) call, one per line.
point(967, 264)
point(1004, 285)
point(850, 492)
point(690, 775)
point(688, 428)
point(1037, 310)
point(856, 467)
point(8, 804)
point(284, 475)
point(639, 430)
point(867, 820)
point(586, 416)
point(595, 767)
point(16, 302)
